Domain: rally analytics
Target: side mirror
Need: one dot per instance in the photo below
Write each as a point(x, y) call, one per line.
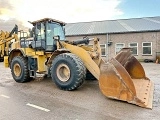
point(56, 38)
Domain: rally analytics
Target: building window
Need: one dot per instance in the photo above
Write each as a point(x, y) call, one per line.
point(118, 47)
point(134, 47)
point(147, 48)
point(103, 49)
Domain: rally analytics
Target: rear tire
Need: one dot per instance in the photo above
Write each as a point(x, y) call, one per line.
point(68, 71)
point(19, 69)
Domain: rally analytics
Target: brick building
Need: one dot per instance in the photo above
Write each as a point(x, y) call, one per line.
point(142, 34)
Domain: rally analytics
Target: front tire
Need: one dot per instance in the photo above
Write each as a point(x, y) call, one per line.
point(19, 69)
point(68, 71)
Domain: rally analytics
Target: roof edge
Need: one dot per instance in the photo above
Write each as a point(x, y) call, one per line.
point(114, 33)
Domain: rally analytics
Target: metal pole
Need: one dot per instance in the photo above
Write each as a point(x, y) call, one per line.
point(107, 53)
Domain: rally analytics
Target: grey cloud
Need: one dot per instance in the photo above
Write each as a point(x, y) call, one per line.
point(9, 24)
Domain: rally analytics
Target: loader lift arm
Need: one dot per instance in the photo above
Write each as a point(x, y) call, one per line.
point(5, 41)
point(14, 31)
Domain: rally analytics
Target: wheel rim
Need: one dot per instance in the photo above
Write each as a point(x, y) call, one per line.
point(17, 69)
point(63, 72)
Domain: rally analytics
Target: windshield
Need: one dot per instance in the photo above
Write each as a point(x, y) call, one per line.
point(54, 29)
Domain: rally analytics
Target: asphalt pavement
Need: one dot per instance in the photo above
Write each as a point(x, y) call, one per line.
point(42, 100)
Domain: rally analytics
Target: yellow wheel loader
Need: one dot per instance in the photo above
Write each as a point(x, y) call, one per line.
point(47, 52)
point(5, 41)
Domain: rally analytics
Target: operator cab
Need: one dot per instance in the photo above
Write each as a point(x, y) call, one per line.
point(43, 32)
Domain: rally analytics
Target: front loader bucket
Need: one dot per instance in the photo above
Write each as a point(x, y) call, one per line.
point(123, 83)
point(130, 63)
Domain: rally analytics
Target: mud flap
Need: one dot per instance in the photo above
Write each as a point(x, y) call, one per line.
point(120, 82)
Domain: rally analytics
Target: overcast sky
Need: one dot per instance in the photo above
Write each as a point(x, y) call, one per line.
point(20, 11)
